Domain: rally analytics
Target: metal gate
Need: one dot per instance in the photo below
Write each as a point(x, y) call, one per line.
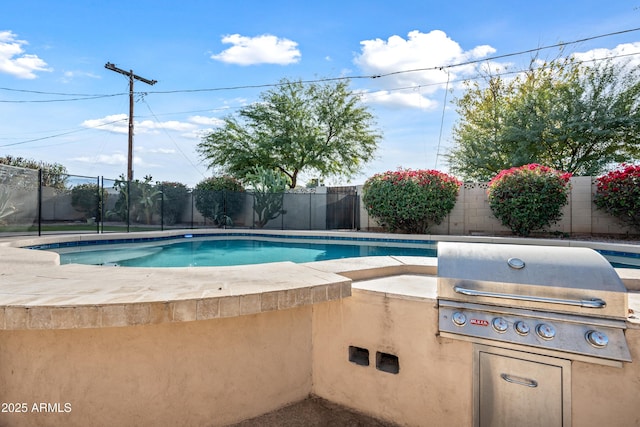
point(342, 208)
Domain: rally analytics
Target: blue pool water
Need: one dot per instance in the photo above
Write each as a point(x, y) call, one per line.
point(211, 253)
point(225, 250)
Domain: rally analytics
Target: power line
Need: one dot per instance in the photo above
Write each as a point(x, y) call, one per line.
point(499, 74)
point(58, 93)
point(61, 100)
point(60, 134)
point(433, 68)
point(95, 96)
point(508, 55)
point(438, 68)
point(414, 87)
point(173, 141)
point(371, 76)
point(444, 106)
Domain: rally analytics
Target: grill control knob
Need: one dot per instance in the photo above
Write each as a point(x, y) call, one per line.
point(499, 324)
point(521, 328)
point(545, 331)
point(597, 339)
point(459, 319)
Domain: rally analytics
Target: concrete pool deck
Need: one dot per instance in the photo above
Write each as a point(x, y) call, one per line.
point(49, 296)
point(38, 293)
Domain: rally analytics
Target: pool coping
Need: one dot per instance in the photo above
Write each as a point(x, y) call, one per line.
point(39, 293)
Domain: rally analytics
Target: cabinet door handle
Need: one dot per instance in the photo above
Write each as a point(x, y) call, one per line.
point(519, 380)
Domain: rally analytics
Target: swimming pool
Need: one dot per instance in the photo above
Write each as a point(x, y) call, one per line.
point(237, 249)
point(225, 252)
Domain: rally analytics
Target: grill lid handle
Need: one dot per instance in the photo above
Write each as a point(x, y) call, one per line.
point(588, 303)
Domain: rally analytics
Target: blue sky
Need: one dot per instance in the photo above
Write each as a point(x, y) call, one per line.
point(59, 104)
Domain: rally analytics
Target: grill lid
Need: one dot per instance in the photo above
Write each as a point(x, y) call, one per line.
point(550, 278)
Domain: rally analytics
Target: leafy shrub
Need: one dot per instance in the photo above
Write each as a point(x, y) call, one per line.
point(528, 197)
point(410, 200)
point(219, 199)
point(618, 193)
point(84, 198)
point(54, 175)
point(174, 199)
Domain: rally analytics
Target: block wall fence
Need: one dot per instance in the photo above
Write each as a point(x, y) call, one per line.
point(309, 209)
point(472, 215)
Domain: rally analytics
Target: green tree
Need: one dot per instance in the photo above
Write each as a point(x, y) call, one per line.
point(571, 116)
point(318, 128)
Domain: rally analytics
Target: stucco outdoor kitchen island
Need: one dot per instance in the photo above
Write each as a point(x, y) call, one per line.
point(97, 345)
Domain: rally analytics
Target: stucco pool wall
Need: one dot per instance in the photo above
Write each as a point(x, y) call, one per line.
point(202, 373)
point(209, 346)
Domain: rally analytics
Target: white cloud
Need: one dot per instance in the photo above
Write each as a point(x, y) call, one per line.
point(264, 49)
point(139, 149)
point(68, 76)
point(119, 123)
point(14, 61)
point(419, 51)
point(414, 99)
point(233, 103)
point(206, 121)
point(623, 52)
point(198, 133)
point(106, 159)
point(149, 126)
point(115, 159)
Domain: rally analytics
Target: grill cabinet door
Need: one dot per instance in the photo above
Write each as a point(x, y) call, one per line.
point(512, 391)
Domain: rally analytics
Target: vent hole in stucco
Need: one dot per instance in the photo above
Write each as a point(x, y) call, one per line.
point(387, 363)
point(359, 356)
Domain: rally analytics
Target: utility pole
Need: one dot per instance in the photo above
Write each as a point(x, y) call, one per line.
point(132, 77)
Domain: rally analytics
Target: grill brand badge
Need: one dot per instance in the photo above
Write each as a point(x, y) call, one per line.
point(479, 322)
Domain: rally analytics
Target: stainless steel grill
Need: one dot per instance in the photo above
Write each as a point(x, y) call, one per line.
point(557, 301)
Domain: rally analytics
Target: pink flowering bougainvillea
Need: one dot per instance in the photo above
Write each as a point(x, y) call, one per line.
point(528, 197)
point(410, 200)
point(618, 193)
